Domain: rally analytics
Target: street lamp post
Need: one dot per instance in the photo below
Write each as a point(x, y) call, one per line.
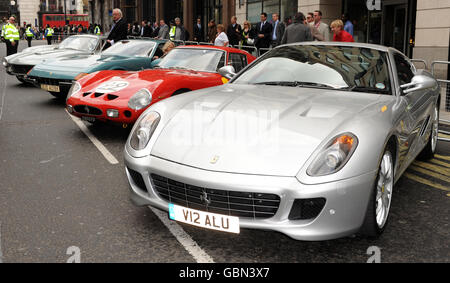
point(65, 17)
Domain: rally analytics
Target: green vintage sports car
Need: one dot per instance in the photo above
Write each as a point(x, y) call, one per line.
point(56, 75)
point(20, 64)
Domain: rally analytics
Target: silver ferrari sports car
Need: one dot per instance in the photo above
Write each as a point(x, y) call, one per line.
point(308, 140)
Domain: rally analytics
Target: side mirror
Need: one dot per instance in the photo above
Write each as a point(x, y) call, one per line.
point(227, 72)
point(419, 82)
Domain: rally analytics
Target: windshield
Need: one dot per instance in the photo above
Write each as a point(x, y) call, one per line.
point(79, 43)
point(204, 60)
point(320, 66)
point(139, 48)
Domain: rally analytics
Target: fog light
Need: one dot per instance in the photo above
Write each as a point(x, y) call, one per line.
point(70, 109)
point(112, 113)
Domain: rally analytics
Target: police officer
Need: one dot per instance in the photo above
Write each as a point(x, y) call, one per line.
point(4, 23)
point(12, 37)
point(97, 30)
point(29, 34)
point(49, 34)
point(172, 31)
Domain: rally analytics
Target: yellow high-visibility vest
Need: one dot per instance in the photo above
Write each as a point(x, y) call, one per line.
point(11, 33)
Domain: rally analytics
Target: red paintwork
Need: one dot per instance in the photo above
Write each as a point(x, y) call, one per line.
point(162, 83)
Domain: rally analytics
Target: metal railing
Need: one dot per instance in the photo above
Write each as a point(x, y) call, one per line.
point(420, 61)
point(250, 49)
point(445, 98)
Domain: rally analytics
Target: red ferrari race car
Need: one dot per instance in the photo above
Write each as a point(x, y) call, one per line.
point(121, 96)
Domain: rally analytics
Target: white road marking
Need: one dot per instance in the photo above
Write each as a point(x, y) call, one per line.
point(1, 254)
point(188, 243)
point(108, 155)
point(177, 231)
point(3, 98)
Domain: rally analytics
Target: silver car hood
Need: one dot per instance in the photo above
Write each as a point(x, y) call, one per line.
point(263, 130)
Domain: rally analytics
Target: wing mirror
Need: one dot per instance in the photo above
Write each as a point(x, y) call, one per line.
point(227, 72)
point(419, 82)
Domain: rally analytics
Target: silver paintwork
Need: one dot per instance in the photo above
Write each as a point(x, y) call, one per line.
point(308, 119)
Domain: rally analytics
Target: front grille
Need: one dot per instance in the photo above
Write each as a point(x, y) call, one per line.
point(240, 204)
point(48, 81)
point(21, 69)
point(85, 109)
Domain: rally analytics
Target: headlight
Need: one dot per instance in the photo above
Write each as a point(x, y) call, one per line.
point(80, 75)
point(144, 130)
point(140, 99)
point(334, 155)
point(5, 63)
point(76, 87)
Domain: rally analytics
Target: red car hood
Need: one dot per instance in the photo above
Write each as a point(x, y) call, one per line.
point(134, 81)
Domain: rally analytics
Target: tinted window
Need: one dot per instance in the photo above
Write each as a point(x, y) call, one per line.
point(404, 69)
point(238, 61)
point(337, 67)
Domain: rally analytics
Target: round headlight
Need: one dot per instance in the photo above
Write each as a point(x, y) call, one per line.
point(5, 63)
point(140, 99)
point(334, 155)
point(76, 87)
point(144, 130)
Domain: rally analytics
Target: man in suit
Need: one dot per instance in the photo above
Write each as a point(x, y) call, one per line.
point(278, 30)
point(234, 32)
point(163, 30)
point(119, 29)
point(263, 33)
point(146, 30)
point(298, 31)
point(198, 31)
point(323, 29)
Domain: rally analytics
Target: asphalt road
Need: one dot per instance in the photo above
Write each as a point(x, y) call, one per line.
point(58, 191)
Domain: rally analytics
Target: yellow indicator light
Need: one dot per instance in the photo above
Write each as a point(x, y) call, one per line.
point(224, 80)
point(384, 108)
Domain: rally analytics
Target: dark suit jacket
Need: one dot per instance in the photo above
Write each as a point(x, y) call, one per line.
point(266, 30)
point(234, 36)
point(147, 31)
point(119, 32)
point(279, 32)
point(297, 32)
point(198, 33)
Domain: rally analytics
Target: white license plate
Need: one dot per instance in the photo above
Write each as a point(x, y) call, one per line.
point(204, 219)
point(88, 119)
point(52, 88)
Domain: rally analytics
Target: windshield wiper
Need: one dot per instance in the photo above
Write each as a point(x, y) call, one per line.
point(297, 84)
point(367, 89)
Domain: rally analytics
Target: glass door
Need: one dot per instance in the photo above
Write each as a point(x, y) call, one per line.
point(395, 19)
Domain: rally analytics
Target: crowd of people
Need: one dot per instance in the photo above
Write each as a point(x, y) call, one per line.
point(263, 35)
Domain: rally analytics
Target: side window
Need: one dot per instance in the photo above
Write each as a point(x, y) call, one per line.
point(404, 69)
point(238, 61)
point(222, 61)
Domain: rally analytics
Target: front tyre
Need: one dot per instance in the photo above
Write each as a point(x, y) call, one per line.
point(380, 199)
point(428, 152)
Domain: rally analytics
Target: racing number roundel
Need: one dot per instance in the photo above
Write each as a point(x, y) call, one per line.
point(112, 86)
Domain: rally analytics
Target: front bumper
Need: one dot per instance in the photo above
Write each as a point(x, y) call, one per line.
point(19, 71)
point(77, 106)
point(342, 215)
point(64, 85)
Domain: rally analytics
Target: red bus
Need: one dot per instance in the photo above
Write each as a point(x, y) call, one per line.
point(57, 20)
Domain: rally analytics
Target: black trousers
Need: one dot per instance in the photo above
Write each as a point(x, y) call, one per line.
point(49, 40)
point(10, 49)
point(29, 38)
